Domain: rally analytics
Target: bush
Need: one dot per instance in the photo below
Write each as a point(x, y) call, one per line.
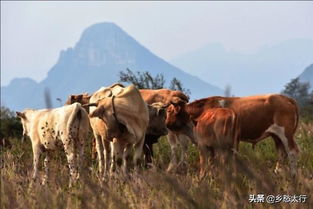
point(10, 125)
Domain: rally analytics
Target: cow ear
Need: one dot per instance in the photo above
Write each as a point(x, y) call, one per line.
point(177, 109)
point(71, 99)
point(177, 101)
point(161, 111)
point(152, 110)
point(97, 112)
point(21, 115)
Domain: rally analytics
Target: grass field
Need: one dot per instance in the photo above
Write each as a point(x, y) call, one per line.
point(154, 188)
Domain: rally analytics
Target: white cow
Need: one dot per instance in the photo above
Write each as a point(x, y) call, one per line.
point(50, 129)
point(121, 117)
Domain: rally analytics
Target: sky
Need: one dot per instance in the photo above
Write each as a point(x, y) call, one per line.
point(33, 33)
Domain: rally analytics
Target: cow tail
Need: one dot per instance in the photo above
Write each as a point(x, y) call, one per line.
point(235, 131)
point(294, 103)
point(76, 115)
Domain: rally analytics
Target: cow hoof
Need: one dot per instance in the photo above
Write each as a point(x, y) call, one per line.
point(278, 170)
point(44, 182)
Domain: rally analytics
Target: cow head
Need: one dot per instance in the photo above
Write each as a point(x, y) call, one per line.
point(178, 120)
point(80, 98)
point(25, 122)
point(104, 111)
point(157, 116)
point(176, 117)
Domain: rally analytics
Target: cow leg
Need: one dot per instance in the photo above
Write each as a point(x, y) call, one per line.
point(46, 165)
point(138, 152)
point(184, 148)
point(36, 157)
point(93, 149)
point(126, 158)
point(281, 152)
point(99, 148)
point(173, 141)
point(203, 160)
point(212, 158)
point(117, 155)
point(150, 146)
point(234, 151)
point(80, 154)
point(107, 153)
point(148, 152)
point(291, 149)
point(71, 159)
point(293, 154)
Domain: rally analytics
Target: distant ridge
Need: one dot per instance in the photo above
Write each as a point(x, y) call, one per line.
point(266, 70)
point(307, 75)
point(103, 50)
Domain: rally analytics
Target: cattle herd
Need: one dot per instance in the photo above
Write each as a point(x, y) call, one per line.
point(125, 120)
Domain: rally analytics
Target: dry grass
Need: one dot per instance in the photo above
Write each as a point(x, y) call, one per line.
point(154, 188)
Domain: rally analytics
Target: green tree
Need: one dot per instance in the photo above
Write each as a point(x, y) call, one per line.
point(10, 125)
point(177, 85)
point(144, 80)
point(300, 92)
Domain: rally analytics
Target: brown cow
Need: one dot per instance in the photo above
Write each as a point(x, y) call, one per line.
point(165, 96)
point(156, 129)
point(259, 117)
point(215, 128)
point(176, 136)
point(80, 98)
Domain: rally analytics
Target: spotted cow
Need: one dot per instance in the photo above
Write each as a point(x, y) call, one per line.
point(51, 129)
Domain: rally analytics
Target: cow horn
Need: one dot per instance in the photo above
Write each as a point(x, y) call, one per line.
point(20, 115)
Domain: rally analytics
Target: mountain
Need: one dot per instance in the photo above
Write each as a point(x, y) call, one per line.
point(265, 71)
point(307, 75)
point(103, 50)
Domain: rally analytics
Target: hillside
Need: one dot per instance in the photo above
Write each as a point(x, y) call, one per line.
point(307, 75)
point(103, 50)
point(265, 71)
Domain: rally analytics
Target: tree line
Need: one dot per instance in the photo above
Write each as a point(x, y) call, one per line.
point(300, 91)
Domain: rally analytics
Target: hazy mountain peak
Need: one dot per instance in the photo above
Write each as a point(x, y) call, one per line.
point(307, 75)
point(106, 42)
point(101, 34)
point(103, 50)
